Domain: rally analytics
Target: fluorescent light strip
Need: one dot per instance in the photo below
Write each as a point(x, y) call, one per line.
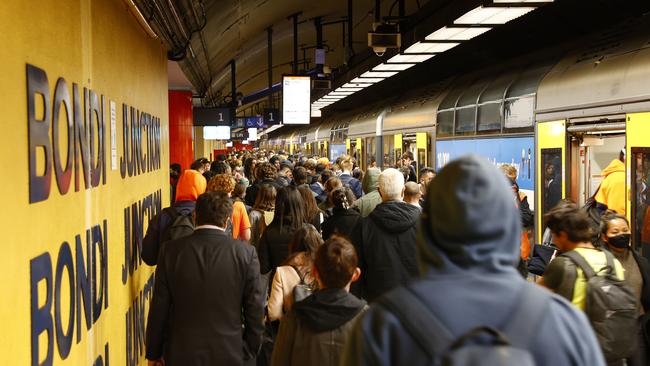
point(342, 89)
point(456, 34)
point(392, 67)
point(482, 15)
point(341, 93)
point(409, 58)
point(353, 85)
point(420, 47)
point(520, 1)
point(366, 80)
point(375, 74)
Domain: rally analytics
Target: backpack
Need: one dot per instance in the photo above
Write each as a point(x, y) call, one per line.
point(302, 289)
point(594, 210)
point(611, 307)
point(182, 225)
point(482, 345)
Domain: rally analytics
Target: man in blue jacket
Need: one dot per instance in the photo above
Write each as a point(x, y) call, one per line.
point(468, 248)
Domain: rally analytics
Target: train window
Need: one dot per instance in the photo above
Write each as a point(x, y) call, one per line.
point(466, 109)
point(640, 164)
point(445, 120)
point(551, 161)
point(465, 120)
point(489, 116)
point(519, 112)
point(445, 123)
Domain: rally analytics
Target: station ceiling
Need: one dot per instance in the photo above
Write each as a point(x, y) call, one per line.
point(223, 30)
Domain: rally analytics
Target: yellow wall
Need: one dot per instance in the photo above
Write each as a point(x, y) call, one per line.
point(97, 45)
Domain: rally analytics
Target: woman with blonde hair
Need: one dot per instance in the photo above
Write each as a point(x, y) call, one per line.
point(346, 177)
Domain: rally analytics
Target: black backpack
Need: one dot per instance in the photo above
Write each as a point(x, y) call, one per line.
point(482, 345)
point(610, 307)
point(182, 225)
point(302, 289)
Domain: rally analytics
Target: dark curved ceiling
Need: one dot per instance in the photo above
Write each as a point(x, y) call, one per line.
point(236, 30)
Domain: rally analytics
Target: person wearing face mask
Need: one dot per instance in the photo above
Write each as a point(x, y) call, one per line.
point(615, 236)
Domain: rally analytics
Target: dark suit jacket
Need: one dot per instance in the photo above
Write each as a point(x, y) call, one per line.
point(212, 283)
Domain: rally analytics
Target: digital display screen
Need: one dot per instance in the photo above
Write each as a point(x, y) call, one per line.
point(216, 133)
point(296, 100)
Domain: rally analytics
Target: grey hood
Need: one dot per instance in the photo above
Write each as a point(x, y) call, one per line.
point(370, 180)
point(470, 221)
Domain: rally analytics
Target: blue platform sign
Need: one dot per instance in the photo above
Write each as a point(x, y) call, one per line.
point(517, 151)
point(255, 122)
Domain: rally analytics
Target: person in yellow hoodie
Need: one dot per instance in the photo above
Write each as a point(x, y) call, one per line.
point(612, 188)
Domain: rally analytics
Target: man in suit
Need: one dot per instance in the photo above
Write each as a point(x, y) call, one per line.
point(211, 282)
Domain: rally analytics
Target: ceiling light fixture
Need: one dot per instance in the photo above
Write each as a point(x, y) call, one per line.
point(366, 80)
point(495, 15)
point(456, 33)
point(380, 74)
point(426, 47)
point(409, 58)
point(392, 67)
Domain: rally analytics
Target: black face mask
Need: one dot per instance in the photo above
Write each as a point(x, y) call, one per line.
point(619, 241)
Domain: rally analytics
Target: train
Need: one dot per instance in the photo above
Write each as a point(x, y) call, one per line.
point(558, 115)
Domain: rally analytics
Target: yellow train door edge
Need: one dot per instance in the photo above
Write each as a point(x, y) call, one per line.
point(637, 146)
point(423, 154)
point(550, 149)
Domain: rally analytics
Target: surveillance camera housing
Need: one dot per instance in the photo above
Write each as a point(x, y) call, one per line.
point(385, 36)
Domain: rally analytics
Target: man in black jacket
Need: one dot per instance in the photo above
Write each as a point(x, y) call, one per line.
point(385, 240)
point(212, 284)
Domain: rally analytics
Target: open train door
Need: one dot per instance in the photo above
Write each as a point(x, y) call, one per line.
point(638, 179)
point(550, 168)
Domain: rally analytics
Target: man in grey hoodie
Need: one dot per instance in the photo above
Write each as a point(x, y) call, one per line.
point(468, 248)
point(371, 197)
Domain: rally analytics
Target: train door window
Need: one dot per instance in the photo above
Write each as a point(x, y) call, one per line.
point(640, 163)
point(551, 161)
point(388, 152)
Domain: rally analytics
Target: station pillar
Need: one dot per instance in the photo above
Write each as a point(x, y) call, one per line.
point(181, 144)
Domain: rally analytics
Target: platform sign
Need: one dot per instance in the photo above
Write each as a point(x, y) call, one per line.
point(271, 116)
point(212, 116)
point(517, 151)
point(239, 135)
point(296, 100)
point(254, 122)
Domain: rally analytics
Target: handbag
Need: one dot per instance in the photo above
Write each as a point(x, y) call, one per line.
point(302, 289)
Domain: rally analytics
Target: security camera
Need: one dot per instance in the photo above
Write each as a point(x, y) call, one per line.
point(379, 51)
point(383, 37)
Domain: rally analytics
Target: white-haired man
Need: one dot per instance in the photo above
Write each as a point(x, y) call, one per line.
point(385, 240)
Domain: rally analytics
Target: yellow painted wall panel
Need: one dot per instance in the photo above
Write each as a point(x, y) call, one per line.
point(100, 46)
point(637, 135)
point(549, 135)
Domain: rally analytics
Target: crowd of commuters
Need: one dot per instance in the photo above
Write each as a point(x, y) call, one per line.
point(270, 259)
